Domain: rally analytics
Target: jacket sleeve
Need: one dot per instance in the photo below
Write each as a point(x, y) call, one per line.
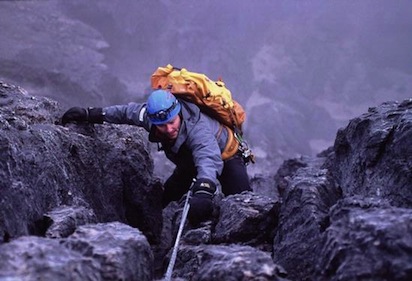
point(205, 150)
point(132, 114)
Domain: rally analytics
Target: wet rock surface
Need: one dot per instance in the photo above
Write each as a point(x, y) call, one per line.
point(367, 239)
point(372, 154)
point(105, 169)
point(80, 203)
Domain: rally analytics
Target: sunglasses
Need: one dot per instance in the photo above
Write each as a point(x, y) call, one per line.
point(162, 115)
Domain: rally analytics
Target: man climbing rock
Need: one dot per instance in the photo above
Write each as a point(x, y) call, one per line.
point(201, 148)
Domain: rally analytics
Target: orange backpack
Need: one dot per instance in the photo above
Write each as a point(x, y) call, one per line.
point(212, 97)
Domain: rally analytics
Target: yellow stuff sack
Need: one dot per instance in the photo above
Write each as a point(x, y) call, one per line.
point(212, 97)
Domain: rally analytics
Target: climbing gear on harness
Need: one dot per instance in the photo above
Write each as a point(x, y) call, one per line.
point(185, 211)
point(246, 152)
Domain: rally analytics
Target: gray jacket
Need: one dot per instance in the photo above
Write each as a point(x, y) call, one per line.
point(199, 142)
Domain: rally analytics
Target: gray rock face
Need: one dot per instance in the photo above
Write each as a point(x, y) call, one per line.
point(80, 203)
point(246, 218)
point(367, 240)
point(122, 251)
point(243, 230)
point(36, 258)
point(303, 218)
point(218, 262)
point(63, 220)
point(103, 168)
point(110, 251)
point(372, 154)
point(324, 232)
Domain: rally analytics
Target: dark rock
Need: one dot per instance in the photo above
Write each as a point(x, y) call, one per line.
point(289, 168)
point(106, 251)
point(172, 217)
point(234, 262)
point(161, 249)
point(63, 220)
point(104, 168)
point(372, 155)
point(123, 252)
point(367, 240)
point(303, 219)
point(199, 235)
point(247, 218)
point(36, 258)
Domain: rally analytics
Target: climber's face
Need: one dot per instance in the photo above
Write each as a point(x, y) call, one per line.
point(171, 128)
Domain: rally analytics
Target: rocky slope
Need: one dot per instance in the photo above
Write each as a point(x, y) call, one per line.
point(80, 203)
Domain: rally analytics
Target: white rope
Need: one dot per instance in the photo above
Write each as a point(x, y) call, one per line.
point(172, 261)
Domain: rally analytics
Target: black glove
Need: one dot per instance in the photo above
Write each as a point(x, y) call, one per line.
point(201, 204)
point(83, 115)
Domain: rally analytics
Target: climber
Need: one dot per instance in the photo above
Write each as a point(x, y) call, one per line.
point(192, 140)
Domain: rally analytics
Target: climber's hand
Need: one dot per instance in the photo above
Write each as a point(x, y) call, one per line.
point(201, 203)
point(83, 115)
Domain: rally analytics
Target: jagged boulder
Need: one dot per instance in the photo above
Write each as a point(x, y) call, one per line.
point(246, 218)
point(108, 251)
point(63, 220)
point(308, 194)
point(372, 155)
point(38, 258)
point(123, 252)
point(226, 262)
point(324, 232)
point(104, 168)
point(368, 239)
point(244, 226)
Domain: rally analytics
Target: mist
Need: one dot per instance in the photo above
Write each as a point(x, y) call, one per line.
point(301, 69)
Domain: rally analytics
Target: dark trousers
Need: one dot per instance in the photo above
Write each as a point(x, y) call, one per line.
point(234, 179)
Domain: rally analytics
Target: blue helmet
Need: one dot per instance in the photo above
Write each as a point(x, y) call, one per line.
point(162, 106)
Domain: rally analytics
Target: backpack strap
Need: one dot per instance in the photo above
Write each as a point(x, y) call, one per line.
point(232, 145)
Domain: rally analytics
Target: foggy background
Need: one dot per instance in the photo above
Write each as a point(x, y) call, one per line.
point(301, 69)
